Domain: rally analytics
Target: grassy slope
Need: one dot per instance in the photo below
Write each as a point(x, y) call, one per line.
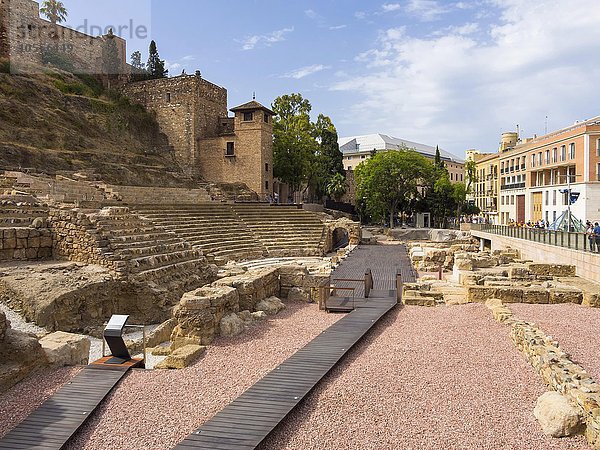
point(59, 123)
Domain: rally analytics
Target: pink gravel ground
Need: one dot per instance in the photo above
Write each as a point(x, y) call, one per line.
point(425, 378)
point(22, 399)
point(157, 409)
point(575, 327)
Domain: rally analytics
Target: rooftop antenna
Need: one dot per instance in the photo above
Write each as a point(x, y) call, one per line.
point(254, 95)
point(518, 132)
point(546, 126)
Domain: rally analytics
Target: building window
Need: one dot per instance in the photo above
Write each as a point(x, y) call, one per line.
point(349, 167)
point(349, 158)
point(363, 156)
point(598, 172)
point(451, 176)
point(502, 200)
point(563, 153)
point(230, 149)
point(461, 177)
point(598, 148)
point(547, 197)
point(512, 199)
point(554, 199)
point(554, 155)
point(266, 118)
point(539, 158)
point(267, 185)
point(266, 167)
point(533, 160)
point(248, 116)
point(168, 97)
point(572, 150)
point(547, 156)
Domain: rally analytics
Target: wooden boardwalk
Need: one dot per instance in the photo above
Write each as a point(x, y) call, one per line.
point(58, 418)
point(249, 419)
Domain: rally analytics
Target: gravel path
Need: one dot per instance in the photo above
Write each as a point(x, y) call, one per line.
point(425, 378)
point(575, 328)
point(157, 409)
point(21, 400)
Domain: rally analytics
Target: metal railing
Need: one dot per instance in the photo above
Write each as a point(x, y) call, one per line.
point(565, 239)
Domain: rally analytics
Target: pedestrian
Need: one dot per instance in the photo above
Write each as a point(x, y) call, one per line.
point(591, 236)
point(597, 236)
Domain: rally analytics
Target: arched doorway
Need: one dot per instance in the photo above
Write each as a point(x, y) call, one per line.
point(340, 238)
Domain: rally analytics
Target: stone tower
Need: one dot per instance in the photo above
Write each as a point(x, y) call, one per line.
point(208, 144)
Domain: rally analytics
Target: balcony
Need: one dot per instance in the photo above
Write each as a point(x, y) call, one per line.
point(512, 186)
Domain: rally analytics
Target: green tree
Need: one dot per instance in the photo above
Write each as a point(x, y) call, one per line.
point(156, 66)
point(438, 163)
point(294, 147)
point(460, 198)
point(471, 173)
point(328, 160)
point(54, 10)
point(336, 186)
point(136, 61)
point(390, 182)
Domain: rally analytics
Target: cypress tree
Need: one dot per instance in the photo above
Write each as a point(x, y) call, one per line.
point(156, 66)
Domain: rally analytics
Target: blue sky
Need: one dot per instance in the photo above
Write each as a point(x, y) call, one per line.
point(450, 73)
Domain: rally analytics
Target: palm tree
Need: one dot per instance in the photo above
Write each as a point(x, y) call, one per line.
point(54, 10)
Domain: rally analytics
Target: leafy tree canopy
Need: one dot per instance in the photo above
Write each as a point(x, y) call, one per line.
point(54, 11)
point(389, 182)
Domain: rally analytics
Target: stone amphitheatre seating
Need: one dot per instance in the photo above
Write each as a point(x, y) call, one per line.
point(140, 195)
point(283, 230)
point(213, 228)
point(20, 216)
point(148, 253)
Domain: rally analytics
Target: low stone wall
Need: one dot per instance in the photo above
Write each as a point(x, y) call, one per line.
point(587, 263)
point(560, 374)
point(555, 367)
point(252, 287)
point(25, 244)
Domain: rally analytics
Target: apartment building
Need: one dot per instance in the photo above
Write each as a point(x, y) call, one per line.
point(535, 174)
point(485, 187)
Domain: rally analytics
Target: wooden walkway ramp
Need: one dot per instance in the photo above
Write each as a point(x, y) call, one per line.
point(249, 419)
point(58, 418)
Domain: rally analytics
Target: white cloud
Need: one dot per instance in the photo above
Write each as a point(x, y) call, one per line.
point(311, 14)
point(427, 10)
point(461, 89)
point(389, 7)
point(250, 42)
point(305, 71)
point(338, 27)
point(360, 15)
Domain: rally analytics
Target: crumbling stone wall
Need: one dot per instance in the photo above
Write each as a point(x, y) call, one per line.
point(75, 238)
point(352, 228)
point(560, 374)
point(25, 244)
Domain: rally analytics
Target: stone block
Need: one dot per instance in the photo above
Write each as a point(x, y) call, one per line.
point(565, 295)
point(557, 417)
point(66, 349)
point(480, 294)
point(552, 270)
point(231, 325)
point(271, 305)
point(299, 294)
point(518, 273)
point(182, 357)
point(162, 333)
point(536, 295)
point(591, 299)
point(510, 294)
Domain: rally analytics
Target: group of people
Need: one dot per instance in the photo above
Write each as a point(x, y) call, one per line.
point(593, 234)
point(541, 224)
